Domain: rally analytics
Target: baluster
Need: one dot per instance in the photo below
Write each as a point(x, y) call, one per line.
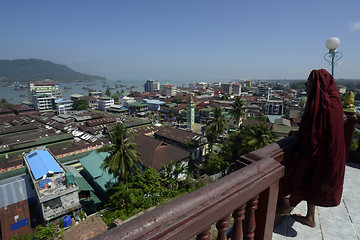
point(250, 218)
point(204, 235)
point(222, 227)
point(237, 229)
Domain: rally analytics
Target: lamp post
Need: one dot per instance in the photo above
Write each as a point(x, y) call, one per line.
point(333, 54)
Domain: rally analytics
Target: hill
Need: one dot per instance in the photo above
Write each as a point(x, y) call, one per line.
point(35, 69)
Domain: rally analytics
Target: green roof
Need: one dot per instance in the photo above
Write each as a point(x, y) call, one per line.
point(138, 104)
point(80, 181)
point(12, 173)
point(92, 164)
point(171, 104)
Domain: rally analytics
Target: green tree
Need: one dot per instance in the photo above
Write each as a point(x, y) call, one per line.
point(80, 104)
point(177, 100)
point(218, 123)
point(115, 97)
point(179, 118)
point(225, 97)
point(43, 233)
point(258, 136)
point(247, 140)
point(211, 136)
point(123, 154)
point(5, 103)
point(215, 163)
point(107, 92)
point(237, 111)
point(192, 144)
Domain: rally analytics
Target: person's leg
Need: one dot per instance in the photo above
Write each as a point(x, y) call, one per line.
point(283, 207)
point(309, 219)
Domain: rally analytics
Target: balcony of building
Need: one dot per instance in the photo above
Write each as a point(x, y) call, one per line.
point(246, 201)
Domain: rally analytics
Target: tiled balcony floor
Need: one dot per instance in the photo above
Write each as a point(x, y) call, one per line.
point(341, 222)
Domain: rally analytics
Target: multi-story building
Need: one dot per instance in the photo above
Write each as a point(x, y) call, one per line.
point(43, 95)
point(105, 102)
point(201, 85)
point(152, 86)
point(43, 102)
point(63, 105)
point(169, 90)
point(247, 83)
point(227, 88)
point(44, 88)
point(236, 88)
point(274, 107)
point(154, 105)
point(126, 101)
point(263, 91)
point(56, 190)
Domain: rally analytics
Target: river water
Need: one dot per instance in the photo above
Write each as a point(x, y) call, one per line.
point(14, 96)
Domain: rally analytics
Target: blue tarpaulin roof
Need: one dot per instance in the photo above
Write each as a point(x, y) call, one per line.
point(41, 162)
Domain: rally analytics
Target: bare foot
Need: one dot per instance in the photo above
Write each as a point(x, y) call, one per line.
point(304, 220)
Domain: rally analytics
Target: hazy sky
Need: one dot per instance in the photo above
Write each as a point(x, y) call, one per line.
point(173, 40)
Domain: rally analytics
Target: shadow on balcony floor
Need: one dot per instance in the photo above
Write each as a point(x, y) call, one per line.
point(341, 222)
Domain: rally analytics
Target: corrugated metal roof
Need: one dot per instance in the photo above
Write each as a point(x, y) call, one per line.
point(92, 164)
point(13, 190)
point(41, 162)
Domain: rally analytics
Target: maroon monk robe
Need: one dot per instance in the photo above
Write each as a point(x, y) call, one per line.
point(316, 172)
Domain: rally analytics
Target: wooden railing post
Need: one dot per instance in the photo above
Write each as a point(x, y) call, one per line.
point(237, 230)
point(250, 219)
point(222, 227)
point(194, 213)
point(204, 235)
point(265, 214)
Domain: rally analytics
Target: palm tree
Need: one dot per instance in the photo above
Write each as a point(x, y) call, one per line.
point(237, 111)
point(173, 172)
point(258, 136)
point(218, 123)
point(123, 153)
point(211, 136)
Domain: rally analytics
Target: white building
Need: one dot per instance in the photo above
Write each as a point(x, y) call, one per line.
point(43, 95)
point(43, 102)
point(126, 101)
point(44, 88)
point(169, 90)
point(63, 105)
point(154, 105)
point(105, 102)
point(201, 85)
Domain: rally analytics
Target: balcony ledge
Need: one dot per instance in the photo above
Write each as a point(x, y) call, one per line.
point(341, 222)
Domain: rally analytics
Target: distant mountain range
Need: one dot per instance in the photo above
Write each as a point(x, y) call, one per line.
point(24, 70)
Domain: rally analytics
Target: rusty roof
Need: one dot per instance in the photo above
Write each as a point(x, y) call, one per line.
point(156, 153)
point(178, 135)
